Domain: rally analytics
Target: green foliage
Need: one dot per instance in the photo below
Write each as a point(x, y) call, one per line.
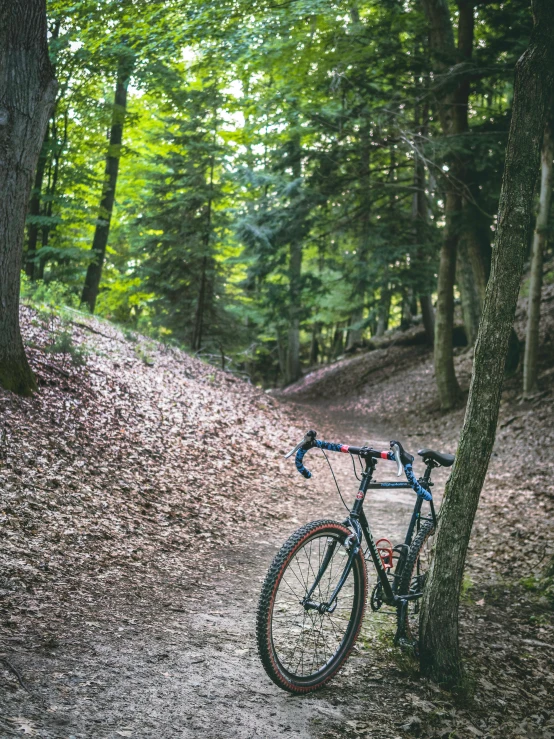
point(48, 295)
point(465, 592)
point(63, 344)
point(249, 129)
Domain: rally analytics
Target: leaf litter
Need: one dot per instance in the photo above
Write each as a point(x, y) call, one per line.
point(122, 481)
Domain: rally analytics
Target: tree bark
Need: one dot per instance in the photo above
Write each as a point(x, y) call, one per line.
point(102, 231)
point(27, 94)
point(439, 649)
point(540, 238)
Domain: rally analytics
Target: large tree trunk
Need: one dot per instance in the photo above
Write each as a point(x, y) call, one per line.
point(27, 94)
point(439, 649)
point(539, 243)
point(102, 231)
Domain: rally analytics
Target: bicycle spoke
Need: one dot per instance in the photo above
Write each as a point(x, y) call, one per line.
point(307, 640)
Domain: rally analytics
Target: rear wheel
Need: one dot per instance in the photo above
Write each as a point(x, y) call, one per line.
point(302, 645)
point(414, 577)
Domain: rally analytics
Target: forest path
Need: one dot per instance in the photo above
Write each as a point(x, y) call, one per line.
point(185, 664)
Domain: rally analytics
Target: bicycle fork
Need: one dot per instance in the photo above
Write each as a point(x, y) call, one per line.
point(353, 544)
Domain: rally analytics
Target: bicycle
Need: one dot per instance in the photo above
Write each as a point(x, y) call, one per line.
point(313, 598)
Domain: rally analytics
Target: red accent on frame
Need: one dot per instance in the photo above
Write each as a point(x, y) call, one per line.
point(360, 495)
point(344, 448)
point(385, 552)
point(384, 455)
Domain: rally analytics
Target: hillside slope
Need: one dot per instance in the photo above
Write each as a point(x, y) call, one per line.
point(138, 454)
point(143, 498)
point(400, 377)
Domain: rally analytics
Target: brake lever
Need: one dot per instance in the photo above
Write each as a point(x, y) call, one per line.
point(296, 448)
point(396, 452)
point(293, 451)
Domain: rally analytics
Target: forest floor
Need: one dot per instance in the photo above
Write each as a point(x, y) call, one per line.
point(144, 495)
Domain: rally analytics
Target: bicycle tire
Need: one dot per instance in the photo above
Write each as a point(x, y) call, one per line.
point(272, 654)
point(409, 583)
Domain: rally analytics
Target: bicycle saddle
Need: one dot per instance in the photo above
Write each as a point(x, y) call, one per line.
point(445, 460)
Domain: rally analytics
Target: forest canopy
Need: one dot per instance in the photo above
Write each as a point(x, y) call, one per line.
point(283, 174)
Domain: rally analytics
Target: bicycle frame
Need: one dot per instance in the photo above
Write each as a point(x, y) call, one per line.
point(357, 521)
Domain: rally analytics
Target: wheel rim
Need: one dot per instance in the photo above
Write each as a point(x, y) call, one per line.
point(307, 643)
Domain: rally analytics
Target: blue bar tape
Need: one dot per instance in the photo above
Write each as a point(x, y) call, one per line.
point(417, 488)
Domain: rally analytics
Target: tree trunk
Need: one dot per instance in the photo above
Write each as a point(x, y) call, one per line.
point(471, 270)
point(439, 649)
point(452, 105)
point(294, 371)
point(50, 194)
point(337, 345)
point(196, 342)
point(383, 311)
point(35, 269)
point(445, 375)
point(102, 231)
point(205, 291)
point(540, 238)
point(421, 222)
point(281, 354)
point(406, 313)
point(360, 284)
point(314, 344)
point(428, 317)
point(355, 334)
point(295, 269)
point(471, 300)
point(27, 94)
point(34, 210)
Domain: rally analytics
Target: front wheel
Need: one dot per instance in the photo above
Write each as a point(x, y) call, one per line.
point(303, 639)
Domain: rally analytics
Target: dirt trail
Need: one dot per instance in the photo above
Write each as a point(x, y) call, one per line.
point(186, 666)
point(126, 611)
